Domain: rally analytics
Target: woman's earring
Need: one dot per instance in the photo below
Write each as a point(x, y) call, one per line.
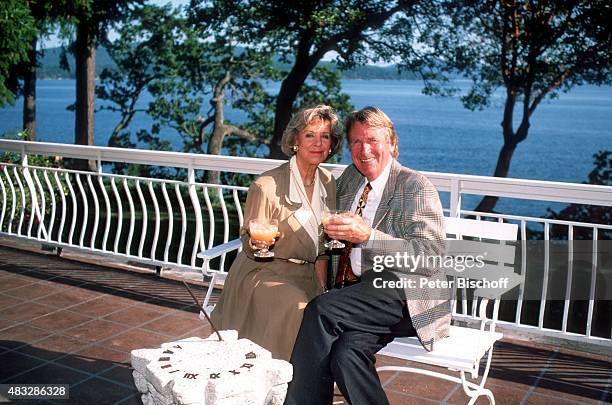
point(329, 151)
point(295, 148)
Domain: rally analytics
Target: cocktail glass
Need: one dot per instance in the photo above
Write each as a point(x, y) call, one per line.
point(327, 216)
point(263, 236)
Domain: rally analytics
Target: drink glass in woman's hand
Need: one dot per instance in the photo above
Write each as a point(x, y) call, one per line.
point(329, 215)
point(263, 235)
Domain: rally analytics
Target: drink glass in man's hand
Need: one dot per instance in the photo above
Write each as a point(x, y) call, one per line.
point(328, 215)
point(263, 236)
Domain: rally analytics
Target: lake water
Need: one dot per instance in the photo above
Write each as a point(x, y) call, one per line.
point(436, 134)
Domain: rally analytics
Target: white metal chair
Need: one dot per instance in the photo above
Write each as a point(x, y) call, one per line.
point(217, 276)
point(463, 350)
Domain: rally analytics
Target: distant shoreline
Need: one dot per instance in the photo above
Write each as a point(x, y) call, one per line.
point(49, 67)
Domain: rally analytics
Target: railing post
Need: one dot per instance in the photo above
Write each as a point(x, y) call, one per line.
point(455, 198)
point(99, 162)
point(545, 276)
point(594, 258)
point(193, 195)
point(33, 195)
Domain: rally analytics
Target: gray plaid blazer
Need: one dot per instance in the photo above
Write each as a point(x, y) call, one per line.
point(408, 219)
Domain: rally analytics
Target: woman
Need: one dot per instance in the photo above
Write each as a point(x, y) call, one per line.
point(264, 300)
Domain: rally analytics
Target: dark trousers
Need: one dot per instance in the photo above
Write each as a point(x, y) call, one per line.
point(340, 334)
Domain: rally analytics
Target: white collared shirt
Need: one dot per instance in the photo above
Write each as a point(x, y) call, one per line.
point(374, 197)
point(306, 215)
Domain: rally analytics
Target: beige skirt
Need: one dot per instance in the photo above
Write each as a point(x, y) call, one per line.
point(265, 301)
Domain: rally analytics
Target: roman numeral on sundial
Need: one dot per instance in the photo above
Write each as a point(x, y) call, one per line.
point(190, 376)
point(234, 372)
point(214, 376)
point(168, 352)
point(166, 366)
point(247, 366)
point(250, 355)
point(164, 359)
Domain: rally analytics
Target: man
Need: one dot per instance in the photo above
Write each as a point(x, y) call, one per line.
point(396, 211)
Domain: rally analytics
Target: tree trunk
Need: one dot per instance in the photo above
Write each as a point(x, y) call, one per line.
point(29, 94)
point(215, 142)
point(85, 57)
point(284, 104)
point(487, 204)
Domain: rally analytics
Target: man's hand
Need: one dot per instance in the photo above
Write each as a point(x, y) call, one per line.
point(350, 227)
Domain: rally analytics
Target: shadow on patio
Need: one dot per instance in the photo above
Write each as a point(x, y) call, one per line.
point(63, 321)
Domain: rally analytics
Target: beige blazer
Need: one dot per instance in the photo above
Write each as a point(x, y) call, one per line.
point(408, 219)
point(264, 300)
point(268, 197)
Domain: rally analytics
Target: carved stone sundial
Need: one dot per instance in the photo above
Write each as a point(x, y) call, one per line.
point(209, 371)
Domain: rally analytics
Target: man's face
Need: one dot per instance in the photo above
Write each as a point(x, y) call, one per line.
point(371, 149)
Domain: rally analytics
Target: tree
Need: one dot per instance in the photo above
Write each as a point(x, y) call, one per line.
point(303, 32)
point(143, 53)
point(91, 19)
point(530, 49)
point(17, 30)
point(181, 65)
point(45, 15)
point(194, 71)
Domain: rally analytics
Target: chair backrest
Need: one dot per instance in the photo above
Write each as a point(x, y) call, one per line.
point(460, 227)
point(493, 240)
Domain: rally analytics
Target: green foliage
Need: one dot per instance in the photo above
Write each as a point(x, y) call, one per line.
point(145, 40)
point(600, 175)
point(99, 15)
point(159, 51)
point(17, 29)
point(180, 64)
point(194, 70)
point(33, 160)
point(359, 31)
point(533, 49)
point(39, 18)
point(303, 32)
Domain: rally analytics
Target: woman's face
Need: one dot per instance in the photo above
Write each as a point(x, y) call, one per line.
point(314, 142)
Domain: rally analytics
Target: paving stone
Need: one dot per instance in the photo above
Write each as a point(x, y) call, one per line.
point(33, 344)
point(98, 391)
point(59, 321)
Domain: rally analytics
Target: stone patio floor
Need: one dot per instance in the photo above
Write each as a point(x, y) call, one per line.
point(63, 321)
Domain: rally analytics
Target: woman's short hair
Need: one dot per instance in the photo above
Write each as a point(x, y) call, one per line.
point(305, 117)
point(373, 117)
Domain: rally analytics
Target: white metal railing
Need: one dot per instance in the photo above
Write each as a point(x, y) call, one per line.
point(158, 222)
point(166, 222)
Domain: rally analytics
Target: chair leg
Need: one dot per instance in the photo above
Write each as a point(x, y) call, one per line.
point(211, 287)
point(483, 391)
point(474, 391)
